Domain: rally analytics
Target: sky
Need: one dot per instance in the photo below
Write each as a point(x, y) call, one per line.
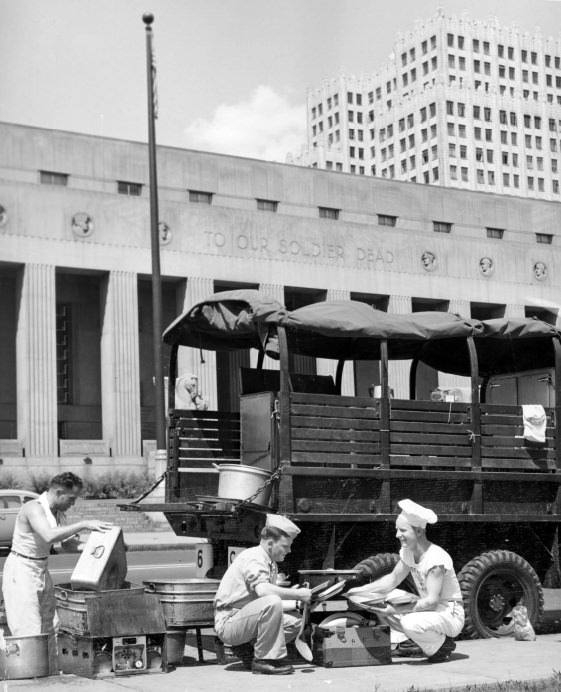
point(232, 74)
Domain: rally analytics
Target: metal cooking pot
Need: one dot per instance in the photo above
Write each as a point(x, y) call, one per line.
point(24, 657)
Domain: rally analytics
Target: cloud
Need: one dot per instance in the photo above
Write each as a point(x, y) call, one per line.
point(265, 127)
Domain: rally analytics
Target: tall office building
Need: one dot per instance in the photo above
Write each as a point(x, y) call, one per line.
point(459, 102)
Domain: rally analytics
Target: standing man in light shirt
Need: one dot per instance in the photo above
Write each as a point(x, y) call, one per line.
point(428, 627)
point(250, 609)
point(29, 594)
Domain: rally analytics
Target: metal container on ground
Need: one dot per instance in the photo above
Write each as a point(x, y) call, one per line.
point(185, 601)
point(174, 645)
point(341, 647)
point(24, 657)
point(239, 482)
point(79, 611)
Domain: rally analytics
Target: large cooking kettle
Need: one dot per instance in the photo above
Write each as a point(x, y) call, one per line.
point(24, 657)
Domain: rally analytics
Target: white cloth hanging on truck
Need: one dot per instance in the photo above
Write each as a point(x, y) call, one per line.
point(535, 420)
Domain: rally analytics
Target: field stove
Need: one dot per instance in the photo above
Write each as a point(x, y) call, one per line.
point(110, 633)
point(106, 631)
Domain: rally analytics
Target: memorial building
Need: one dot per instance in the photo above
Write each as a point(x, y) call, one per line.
point(76, 369)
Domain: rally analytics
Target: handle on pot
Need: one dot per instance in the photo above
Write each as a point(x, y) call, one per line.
point(149, 587)
point(98, 551)
point(12, 648)
point(216, 466)
point(63, 595)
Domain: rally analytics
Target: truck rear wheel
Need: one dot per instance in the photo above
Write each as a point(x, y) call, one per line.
point(492, 584)
point(379, 565)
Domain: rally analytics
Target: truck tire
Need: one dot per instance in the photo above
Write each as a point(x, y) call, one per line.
point(379, 565)
point(492, 584)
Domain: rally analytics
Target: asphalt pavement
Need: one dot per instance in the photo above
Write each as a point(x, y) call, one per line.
point(473, 662)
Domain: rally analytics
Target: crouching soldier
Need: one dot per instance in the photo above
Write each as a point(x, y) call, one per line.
point(428, 627)
point(250, 609)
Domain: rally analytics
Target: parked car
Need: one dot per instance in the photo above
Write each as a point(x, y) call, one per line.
point(11, 502)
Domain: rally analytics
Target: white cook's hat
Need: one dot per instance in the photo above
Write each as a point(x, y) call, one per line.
point(277, 521)
point(416, 515)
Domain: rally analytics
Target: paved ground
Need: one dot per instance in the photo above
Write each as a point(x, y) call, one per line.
point(473, 662)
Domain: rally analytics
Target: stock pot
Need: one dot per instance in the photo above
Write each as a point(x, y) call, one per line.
point(24, 657)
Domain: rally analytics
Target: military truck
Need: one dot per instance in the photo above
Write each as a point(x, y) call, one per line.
point(337, 465)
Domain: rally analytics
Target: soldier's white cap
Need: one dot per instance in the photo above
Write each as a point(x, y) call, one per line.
point(278, 521)
point(416, 515)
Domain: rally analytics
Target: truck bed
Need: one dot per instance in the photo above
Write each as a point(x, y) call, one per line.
point(353, 458)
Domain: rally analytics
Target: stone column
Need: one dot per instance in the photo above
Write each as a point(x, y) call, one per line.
point(275, 291)
point(514, 310)
point(36, 364)
point(398, 370)
point(189, 359)
point(445, 380)
point(327, 366)
point(120, 385)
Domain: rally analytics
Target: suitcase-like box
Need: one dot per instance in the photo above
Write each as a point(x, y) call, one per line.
point(339, 646)
point(102, 566)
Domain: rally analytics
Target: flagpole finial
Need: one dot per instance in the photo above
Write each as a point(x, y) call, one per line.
point(148, 18)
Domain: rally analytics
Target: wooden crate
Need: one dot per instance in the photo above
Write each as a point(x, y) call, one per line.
point(342, 647)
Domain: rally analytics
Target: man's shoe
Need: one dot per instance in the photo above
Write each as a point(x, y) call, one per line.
point(245, 653)
point(271, 666)
point(444, 653)
point(408, 649)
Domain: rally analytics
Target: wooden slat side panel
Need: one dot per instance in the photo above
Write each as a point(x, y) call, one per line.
point(413, 426)
point(327, 458)
point(329, 400)
point(516, 442)
point(333, 412)
point(430, 406)
point(324, 423)
point(336, 434)
point(431, 450)
point(517, 453)
point(335, 447)
point(207, 437)
point(428, 462)
point(429, 416)
point(493, 464)
point(516, 431)
point(423, 437)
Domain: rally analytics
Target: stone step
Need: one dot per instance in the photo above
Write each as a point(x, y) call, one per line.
point(108, 510)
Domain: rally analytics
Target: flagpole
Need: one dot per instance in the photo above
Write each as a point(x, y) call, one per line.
point(161, 453)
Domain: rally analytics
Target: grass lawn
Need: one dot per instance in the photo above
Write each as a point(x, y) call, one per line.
point(552, 684)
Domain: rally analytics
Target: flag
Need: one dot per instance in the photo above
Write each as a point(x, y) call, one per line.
point(154, 83)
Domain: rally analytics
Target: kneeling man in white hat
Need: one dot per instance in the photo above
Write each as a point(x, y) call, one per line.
point(249, 613)
point(429, 625)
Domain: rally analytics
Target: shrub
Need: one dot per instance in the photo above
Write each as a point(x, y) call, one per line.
point(40, 482)
point(10, 481)
point(109, 485)
point(117, 485)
